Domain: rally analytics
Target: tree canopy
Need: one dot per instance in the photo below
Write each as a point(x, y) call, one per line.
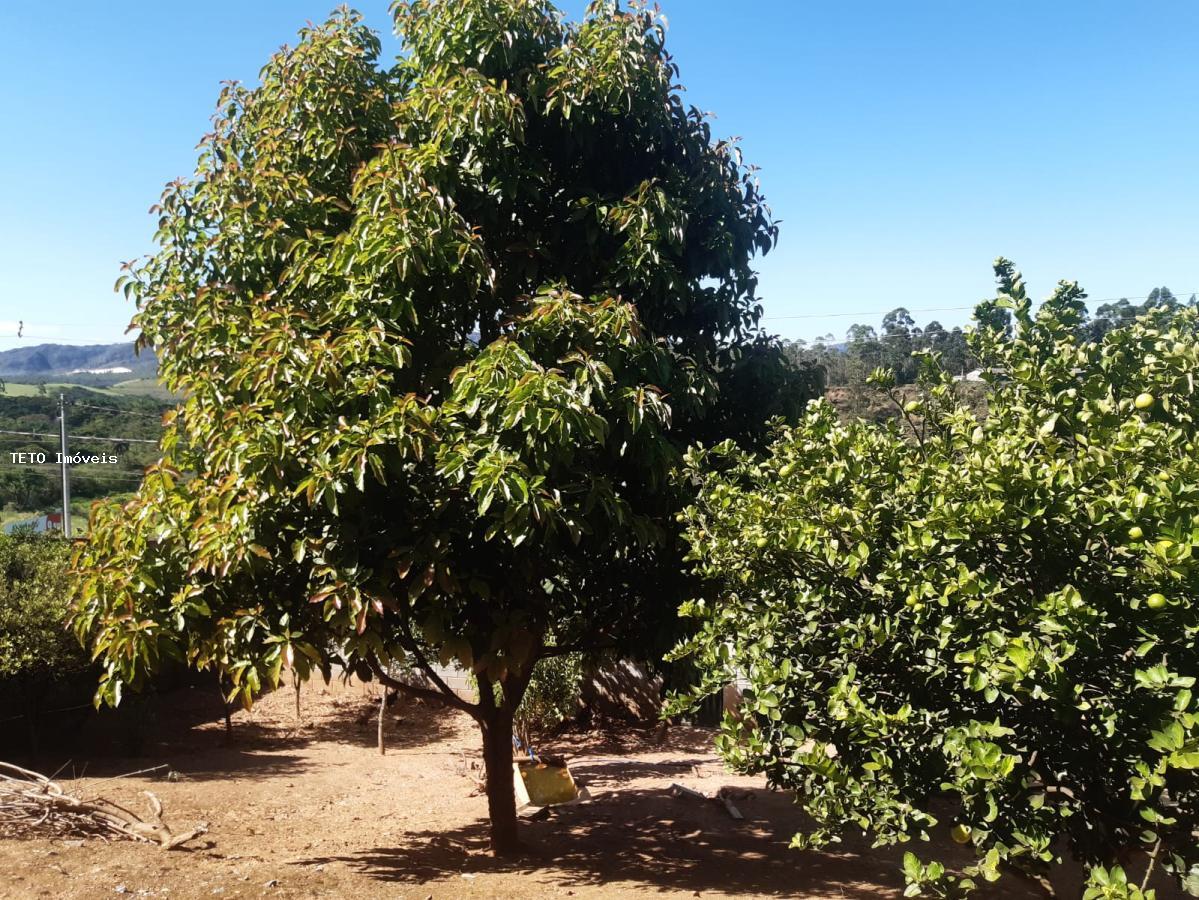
point(444, 329)
point(980, 619)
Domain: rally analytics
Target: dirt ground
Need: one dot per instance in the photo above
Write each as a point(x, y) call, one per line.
point(308, 808)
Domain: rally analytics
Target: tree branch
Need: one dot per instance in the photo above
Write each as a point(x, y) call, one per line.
point(412, 647)
point(443, 695)
point(562, 650)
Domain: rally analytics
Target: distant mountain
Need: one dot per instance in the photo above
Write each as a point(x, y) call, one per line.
point(46, 360)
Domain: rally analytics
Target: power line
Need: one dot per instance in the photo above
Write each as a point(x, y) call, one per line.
point(882, 312)
point(52, 470)
point(109, 409)
point(114, 409)
point(81, 437)
point(56, 339)
point(122, 479)
point(103, 470)
point(27, 441)
point(109, 479)
point(878, 313)
point(830, 315)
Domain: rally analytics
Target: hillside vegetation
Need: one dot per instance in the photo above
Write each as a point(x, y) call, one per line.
point(28, 489)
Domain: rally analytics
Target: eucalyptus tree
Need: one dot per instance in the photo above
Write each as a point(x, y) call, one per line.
point(443, 329)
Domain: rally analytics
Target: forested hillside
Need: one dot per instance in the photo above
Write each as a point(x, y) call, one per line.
point(27, 488)
point(44, 360)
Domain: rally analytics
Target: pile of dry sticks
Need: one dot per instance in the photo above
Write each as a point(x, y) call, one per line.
point(33, 805)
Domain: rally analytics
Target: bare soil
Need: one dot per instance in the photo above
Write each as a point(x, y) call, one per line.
point(309, 808)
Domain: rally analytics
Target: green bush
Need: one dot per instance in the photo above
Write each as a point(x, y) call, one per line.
point(984, 622)
point(552, 696)
point(36, 646)
point(41, 662)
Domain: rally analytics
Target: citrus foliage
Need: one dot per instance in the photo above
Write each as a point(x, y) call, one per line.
point(990, 625)
point(35, 644)
point(1113, 884)
point(444, 330)
point(552, 697)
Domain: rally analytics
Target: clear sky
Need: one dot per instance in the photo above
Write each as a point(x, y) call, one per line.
point(904, 145)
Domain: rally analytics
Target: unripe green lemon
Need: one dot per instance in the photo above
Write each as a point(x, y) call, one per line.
point(786, 470)
point(1135, 533)
point(911, 406)
point(1155, 601)
point(1143, 401)
point(761, 542)
point(960, 833)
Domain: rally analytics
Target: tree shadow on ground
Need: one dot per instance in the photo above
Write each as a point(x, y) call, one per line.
point(184, 730)
point(408, 723)
point(604, 736)
point(650, 838)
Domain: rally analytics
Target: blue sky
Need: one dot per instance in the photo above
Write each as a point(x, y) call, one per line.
point(904, 146)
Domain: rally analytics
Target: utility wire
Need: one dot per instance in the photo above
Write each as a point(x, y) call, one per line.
point(81, 437)
point(53, 470)
point(98, 476)
point(883, 312)
point(114, 409)
point(110, 409)
point(14, 440)
point(56, 339)
point(50, 469)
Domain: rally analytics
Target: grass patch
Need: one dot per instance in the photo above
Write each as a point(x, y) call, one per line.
point(142, 387)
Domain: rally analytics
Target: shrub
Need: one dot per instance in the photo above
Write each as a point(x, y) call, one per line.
point(39, 657)
point(985, 621)
point(552, 696)
point(36, 647)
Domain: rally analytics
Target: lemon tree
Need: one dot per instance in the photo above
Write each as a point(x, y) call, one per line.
point(985, 624)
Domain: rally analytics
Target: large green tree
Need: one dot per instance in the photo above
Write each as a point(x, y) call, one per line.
point(985, 619)
point(443, 330)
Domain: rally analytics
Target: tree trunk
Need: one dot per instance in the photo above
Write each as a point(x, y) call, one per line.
point(501, 796)
point(495, 721)
point(220, 689)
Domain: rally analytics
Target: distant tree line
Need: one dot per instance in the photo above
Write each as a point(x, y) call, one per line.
point(865, 348)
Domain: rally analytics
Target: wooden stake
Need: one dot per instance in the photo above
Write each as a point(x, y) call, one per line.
point(382, 714)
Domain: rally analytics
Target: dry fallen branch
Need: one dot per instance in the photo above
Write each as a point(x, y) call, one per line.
point(31, 803)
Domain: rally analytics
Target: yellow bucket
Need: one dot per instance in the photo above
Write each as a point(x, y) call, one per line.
point(540, 784)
